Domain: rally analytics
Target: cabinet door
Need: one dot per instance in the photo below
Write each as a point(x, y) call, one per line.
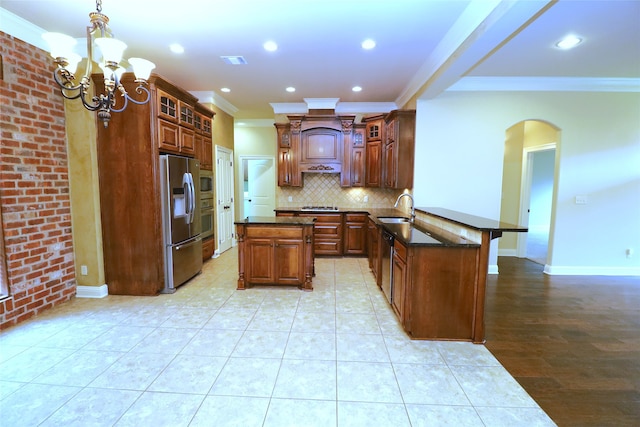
point(357, 167)
point(167, 106)
point(289, 262)
point(260, 262)
point(187, 114)
point(399, 290)
point(284, 167)
point(355, 239)
point(168, 136)
point(373, 157)
point(187, 141)
point(206, 162)
point(389, 166)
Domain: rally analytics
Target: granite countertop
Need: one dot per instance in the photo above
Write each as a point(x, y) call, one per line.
point(472, 221)
point(276, 220)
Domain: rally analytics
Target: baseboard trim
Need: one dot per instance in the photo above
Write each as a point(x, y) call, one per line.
point(554, 270)
point(92, 291)
point(507, 252)
point(493, 269)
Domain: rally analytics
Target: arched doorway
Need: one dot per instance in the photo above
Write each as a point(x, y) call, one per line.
point(529, 188)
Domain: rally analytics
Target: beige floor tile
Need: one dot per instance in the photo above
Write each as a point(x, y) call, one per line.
point(367, 382)
point(93, 407)
point(189, 374)
point(133, 371)
point(161, 410)
point(33, 403)
point(165, 341)
point(442, 415)
point(231, 411)
point(80, 368)
point(314, 321)
point(429, 384)
point(361, 348)
point(365, 414)
point(295, 413)
point(213, 342)
point(311, 346)
point(265, 344)
point(306, 379)
point(252, 377)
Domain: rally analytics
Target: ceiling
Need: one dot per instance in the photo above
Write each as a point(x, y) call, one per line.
point(423, 46)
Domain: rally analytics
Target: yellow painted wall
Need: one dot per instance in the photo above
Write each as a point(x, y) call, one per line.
point(84, 193)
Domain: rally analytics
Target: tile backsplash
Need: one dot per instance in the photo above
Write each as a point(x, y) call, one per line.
point(322, 189)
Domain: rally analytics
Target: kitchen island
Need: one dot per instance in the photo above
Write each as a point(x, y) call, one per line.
point(275, 251)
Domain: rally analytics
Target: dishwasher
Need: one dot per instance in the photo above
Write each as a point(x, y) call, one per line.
point(387, 259)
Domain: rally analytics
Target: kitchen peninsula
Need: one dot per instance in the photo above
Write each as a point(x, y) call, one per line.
point(432, 271)
point(275, 251)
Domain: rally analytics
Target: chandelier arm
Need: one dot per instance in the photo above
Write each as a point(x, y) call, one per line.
point(95, 106)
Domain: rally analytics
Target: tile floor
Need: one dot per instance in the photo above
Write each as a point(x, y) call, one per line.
point(210, 355)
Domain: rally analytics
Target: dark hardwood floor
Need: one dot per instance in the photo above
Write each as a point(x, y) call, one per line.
point(573, 342)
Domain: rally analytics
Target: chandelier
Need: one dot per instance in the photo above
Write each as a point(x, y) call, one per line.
point(107, 52)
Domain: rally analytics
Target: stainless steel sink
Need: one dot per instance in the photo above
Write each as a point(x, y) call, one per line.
point(394, 220)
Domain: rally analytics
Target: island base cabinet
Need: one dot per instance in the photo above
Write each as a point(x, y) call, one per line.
point(440, 293)
point(275, 255)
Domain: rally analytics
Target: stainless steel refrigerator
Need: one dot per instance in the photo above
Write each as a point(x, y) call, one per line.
point(181, 221)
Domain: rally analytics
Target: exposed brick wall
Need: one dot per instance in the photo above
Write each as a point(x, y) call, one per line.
point(34, 184)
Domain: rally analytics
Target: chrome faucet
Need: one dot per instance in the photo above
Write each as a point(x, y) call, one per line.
point(413, 209)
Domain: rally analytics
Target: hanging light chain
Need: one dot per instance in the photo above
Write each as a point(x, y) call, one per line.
point(99, 6)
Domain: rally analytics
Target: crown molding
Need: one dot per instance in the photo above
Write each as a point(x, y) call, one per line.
point(254, 123)
point(22, 29)
point(211, 97)
point(549, 84)
point(340, 107)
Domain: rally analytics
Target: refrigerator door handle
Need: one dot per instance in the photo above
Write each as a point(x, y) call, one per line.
point(186, 186)
point(193, 197)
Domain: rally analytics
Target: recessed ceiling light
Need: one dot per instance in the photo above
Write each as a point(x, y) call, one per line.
point(225, 89)
point(290, 89)
point(270, 46)
point(368, 44)
point(234, 60)
point(356, 89)
point(569, 41)
point(176, 48)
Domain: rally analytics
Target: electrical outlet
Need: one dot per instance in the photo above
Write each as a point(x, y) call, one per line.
point(629, 252)
point(581, 199)
point(84, 270)
point(290, 198)
point(365, 199)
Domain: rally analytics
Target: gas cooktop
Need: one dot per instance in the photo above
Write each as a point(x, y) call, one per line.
point(319, 208)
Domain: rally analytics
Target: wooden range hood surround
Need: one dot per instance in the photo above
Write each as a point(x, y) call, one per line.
point(321, 143)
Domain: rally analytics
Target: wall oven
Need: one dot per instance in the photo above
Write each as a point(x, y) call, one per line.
point(206, 184)
point(206, 214)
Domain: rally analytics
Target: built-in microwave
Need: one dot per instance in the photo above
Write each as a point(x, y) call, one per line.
point(206, 184)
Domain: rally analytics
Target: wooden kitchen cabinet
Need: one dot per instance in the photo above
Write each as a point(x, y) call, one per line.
point(358, 156)
point(208, 247)
point(129, 152)
point(434, 290)
point(373, 249)
point(203, 141)
point(373, 142)
point(398, 149)
point(327, 232)
point(355, 234)
point(399, 274)
point(275, 254)
point(288, 152)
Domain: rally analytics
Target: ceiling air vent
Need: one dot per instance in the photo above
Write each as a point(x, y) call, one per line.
point(234, 60)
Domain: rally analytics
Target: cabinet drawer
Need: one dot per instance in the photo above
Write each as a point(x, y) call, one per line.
point(400, 250)
point(356, 217)
point(269, 232)
point(324, 230)
point(327, 247)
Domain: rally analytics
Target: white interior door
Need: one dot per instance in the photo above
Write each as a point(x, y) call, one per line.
point(261, 197)
point(224, 198)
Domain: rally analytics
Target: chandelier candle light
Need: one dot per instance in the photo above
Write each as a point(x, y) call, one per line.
point(107, 52)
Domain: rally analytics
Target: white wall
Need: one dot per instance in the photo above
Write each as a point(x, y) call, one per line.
point(460, 147)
